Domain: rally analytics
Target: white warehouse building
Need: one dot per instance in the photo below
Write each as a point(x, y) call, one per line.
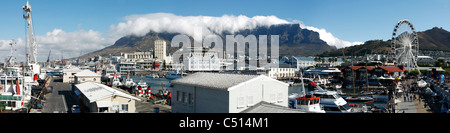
point(225, 93)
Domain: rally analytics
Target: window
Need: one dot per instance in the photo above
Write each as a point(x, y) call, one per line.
point(178, 96)
point(249, 100)
point(280, 97)
point(185, 97)
point(272, 98)
point(191, 98)
point(124, 107)
point(241, 102)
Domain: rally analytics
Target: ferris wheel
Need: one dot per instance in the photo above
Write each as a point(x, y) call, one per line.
point(405, 45)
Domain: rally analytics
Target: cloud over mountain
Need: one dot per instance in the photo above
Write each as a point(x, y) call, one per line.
point(72, 43)
point(166, 22)
point(328, 37)
point(191, 25)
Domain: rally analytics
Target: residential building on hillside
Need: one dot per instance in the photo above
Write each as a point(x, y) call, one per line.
point(160, 49)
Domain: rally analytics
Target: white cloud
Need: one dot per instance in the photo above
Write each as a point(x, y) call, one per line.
point(328, 37)
point(18, 49)
point(72, 43)
point(61, 43)
point(166, 22)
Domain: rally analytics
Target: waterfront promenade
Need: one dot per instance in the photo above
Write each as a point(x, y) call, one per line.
point(411, 105)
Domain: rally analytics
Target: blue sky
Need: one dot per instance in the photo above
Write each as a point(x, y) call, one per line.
point(349, 20)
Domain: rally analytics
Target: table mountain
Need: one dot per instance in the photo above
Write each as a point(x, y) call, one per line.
point(293, 41)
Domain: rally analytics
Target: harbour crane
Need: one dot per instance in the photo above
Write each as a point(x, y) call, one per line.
point(31, 58)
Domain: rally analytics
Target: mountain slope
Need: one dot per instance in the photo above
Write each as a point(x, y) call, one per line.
point(432, 39)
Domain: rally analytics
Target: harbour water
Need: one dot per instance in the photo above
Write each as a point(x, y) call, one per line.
point(296, 89)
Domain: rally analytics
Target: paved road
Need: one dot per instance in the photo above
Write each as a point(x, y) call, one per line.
point(61, 100)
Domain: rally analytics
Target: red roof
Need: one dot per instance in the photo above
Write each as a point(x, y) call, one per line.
point(386, 68)
point(392, 68)
point(359, 67)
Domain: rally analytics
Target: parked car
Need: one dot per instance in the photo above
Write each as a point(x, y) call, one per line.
point(76, 109)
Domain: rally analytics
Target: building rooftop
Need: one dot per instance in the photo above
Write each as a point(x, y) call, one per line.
point(72, 69)
point(386, 68)
point(264, 107)
point(304, 58)
point(214, 80)
point(86, 73)
point(280, 65)
point(95, 91)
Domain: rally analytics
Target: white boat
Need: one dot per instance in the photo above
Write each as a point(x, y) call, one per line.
point(309, 104)
point(116, 81)
point(306, 103)
point(337, 86)
point(382, 96)
point(174, 75)
point(15, 87)
point(141, 88)
point(155, 76)
point(360, 99)
point(332, 102)
point(16, 82)
point(109, 72)
point(128, 82)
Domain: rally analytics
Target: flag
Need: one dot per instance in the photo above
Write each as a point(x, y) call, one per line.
point(17, 87)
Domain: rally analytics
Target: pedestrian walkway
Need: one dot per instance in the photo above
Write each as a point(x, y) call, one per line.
point(420, 108)
point(412, 106)
point(405, 107)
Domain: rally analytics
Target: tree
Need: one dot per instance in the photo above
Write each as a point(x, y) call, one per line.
point(317, 59)
point(414, 73)
point(440, 63)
